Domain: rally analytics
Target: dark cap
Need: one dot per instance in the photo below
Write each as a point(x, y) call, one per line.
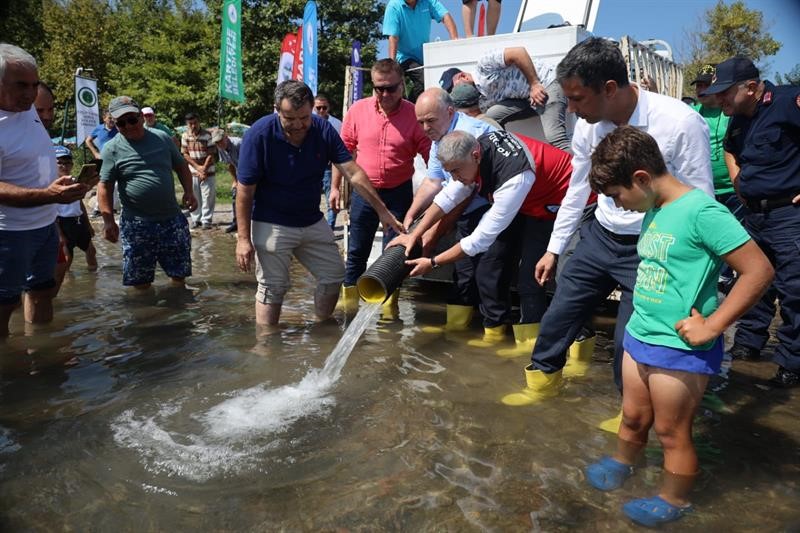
point(121, 105)
point(465, 95)
point(705, 75)
point(730, 71)
point(446, 81)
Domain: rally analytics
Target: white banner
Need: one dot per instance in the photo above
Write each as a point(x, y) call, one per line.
point(87, 111)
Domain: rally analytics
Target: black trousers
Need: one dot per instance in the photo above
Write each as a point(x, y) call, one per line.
point(599, 264)
point(484, 279)
point(416, 77)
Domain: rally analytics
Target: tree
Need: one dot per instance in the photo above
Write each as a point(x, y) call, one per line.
point(21, 25)
point(790, 78)
point(265, 23)
point(726, 31)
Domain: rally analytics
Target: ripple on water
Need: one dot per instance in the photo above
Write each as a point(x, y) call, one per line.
point(233, 432)
point(233, 435)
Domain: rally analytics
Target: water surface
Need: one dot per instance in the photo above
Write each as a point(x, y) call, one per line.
point(178, 416)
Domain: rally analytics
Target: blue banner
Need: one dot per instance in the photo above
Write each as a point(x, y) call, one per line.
point(310, 45)
point(358, 76)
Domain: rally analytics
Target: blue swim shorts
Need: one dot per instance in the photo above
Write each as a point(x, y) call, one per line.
point(145, 242)
point(695, 361)
point(27, 262)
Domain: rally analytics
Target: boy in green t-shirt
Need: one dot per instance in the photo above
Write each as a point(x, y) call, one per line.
point(673, 341)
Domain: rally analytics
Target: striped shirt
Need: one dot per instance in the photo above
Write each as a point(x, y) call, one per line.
point(198, 148)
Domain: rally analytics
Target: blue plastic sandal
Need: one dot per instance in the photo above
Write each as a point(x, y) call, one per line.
point(653, 512)
point(608, 474)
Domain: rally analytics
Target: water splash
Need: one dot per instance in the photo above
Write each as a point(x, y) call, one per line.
point(231, 434)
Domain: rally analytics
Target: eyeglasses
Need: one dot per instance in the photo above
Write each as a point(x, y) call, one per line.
point(64, 163)
point(321, 108)
point(386, 88)
point(130, 121)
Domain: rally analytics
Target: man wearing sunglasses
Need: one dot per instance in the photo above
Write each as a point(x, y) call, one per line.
point(383, 134)
point(152, 227)
point(322, 108)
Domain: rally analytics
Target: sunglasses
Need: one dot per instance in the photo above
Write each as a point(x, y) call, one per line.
point(386, 88)
point(130, 121)
point(321, 108)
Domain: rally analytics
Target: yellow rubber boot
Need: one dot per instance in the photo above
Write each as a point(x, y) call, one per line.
point(348, 299)
point(390, 310)
point(612, 424)
point(539, 387)
point(458, 319)
point(580, 357)
point(491, 337)
point(525, 336)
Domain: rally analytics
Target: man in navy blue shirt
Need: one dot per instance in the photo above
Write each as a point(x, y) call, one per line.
point(764, 138)
point(281, 164)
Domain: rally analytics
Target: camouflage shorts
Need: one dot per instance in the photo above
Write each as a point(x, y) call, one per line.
point(145, 242)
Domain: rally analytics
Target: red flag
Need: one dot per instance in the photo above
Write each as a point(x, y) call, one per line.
point(286, 61)
point(482, 20)
point(297, 67)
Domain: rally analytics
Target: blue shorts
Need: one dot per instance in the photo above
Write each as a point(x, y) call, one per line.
point(145, 242)
point(27, 262)
point(695, 361)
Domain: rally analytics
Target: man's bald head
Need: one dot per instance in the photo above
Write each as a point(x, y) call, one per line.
point(435, 110)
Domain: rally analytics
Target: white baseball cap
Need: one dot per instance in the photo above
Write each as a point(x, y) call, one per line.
point(148, 111)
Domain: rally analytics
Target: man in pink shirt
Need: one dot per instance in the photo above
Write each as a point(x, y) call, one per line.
point(383, 134)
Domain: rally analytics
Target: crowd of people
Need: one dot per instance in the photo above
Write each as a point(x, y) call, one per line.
point(662, 194)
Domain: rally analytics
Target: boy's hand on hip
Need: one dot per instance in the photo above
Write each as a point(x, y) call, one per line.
point(696, 330)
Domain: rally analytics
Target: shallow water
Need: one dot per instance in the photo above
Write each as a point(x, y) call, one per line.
point(179, 415)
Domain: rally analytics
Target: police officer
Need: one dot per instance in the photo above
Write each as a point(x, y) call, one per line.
point(764, 138)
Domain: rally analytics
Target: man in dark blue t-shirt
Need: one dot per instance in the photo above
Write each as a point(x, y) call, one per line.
point(281, 164)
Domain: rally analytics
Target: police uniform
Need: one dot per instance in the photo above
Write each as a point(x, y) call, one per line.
point(767, 149)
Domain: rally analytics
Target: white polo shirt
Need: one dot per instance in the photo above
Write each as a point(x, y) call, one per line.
point(683, 137)
point(27, 160)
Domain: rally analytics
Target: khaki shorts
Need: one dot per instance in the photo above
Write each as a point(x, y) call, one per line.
point(312, 245)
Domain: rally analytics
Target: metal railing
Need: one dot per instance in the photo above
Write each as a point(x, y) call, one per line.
point(643, 61)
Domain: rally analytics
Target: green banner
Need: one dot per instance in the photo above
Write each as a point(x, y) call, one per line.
point(230, 52)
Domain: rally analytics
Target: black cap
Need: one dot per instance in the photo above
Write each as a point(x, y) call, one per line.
point(730, 71)
point(705, 75)
point(446, 81)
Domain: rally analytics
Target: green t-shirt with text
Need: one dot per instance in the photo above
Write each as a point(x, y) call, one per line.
point(717, 126)
point(680, 248)
point(142, 171)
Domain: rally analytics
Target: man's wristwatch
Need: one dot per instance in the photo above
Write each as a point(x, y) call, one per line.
point(434, 264)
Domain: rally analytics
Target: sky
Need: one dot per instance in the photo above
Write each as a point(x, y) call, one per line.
point(662, 19)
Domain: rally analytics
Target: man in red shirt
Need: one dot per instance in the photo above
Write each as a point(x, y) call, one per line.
point(383, 134)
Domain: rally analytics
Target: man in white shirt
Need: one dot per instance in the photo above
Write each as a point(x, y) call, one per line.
point(29, 191)
point(594, 78)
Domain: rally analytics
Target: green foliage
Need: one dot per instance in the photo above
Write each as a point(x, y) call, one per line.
point(790, 78)
point(726, 31)
point(21, 24)
point(165, 53)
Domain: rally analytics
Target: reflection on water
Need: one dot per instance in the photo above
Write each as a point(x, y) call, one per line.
point(178, 416)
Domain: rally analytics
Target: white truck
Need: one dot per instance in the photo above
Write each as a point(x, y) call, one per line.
point(548, 30)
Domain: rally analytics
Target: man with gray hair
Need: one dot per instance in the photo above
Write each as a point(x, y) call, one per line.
point(499, 168)
point(282, 161)
point(29, 191)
